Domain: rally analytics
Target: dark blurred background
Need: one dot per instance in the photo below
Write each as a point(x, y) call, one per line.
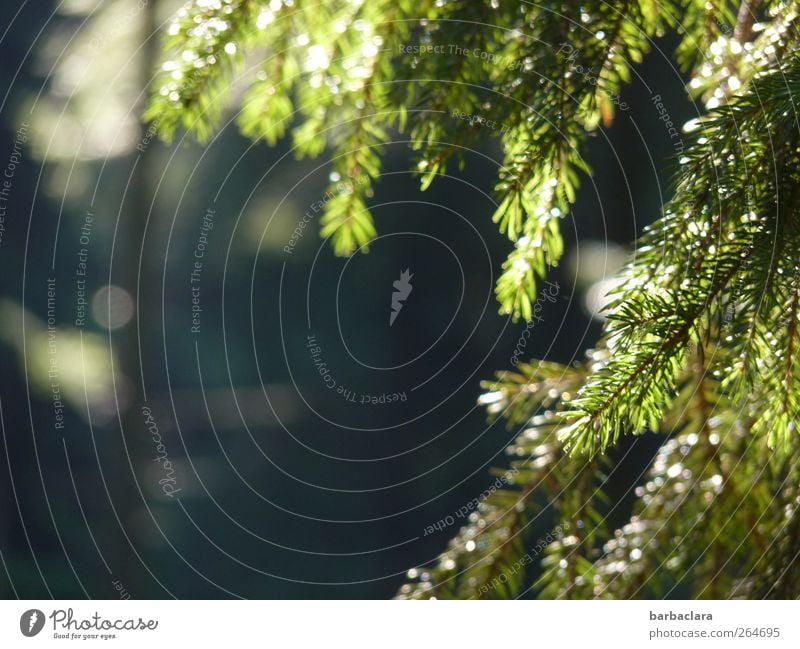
point(267, 483)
